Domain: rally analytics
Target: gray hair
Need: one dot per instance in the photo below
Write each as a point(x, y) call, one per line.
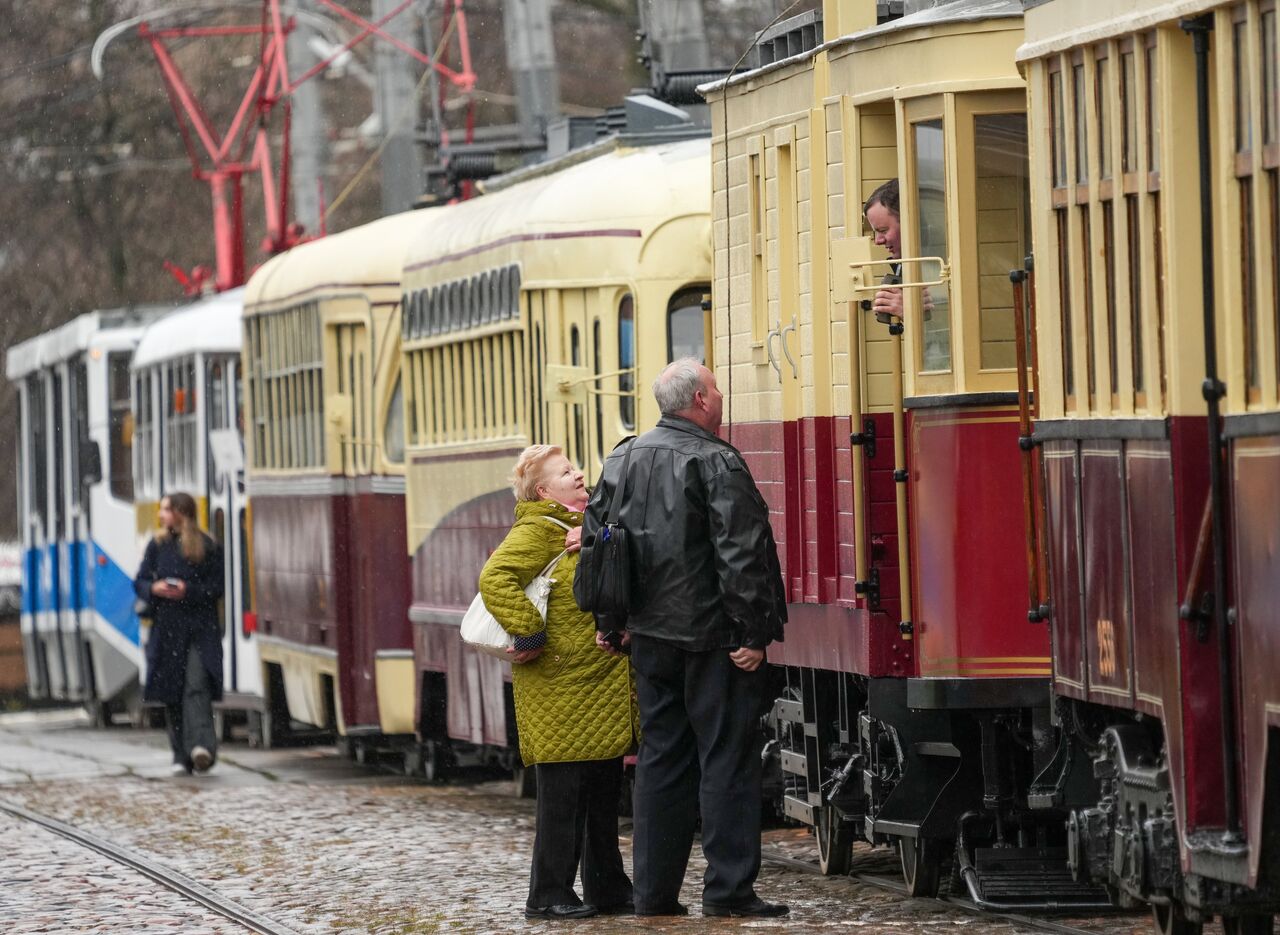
point(677, 385)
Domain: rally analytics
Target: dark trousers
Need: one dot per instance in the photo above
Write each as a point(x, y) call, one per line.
point(191, 723)
point(699, 748)
point(578, 823)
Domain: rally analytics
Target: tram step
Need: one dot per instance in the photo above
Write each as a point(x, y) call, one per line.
point(793, 762)
point(1034, 876)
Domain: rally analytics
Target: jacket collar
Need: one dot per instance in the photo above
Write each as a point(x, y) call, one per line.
point(533, 509)
point(681, 424)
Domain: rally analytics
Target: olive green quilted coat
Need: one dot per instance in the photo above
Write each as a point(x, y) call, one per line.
point(573, 702)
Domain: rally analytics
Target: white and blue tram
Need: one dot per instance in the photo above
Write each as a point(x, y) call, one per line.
point(187, 404)
point(81, 637)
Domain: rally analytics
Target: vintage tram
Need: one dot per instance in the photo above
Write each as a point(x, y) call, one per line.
point(325, 466)
point(81, 638)
point(915, 704)
point(186, 404)
point(1157, 275)
point(532, 314)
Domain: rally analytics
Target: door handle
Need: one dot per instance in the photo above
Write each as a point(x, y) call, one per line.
point(768, 347)
point(782, 334)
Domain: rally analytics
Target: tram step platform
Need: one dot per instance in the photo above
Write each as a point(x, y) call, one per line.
point(1034, 877)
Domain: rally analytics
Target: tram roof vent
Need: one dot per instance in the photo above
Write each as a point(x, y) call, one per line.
point(792, 36)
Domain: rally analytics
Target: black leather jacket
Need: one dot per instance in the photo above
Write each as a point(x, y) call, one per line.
point(705, 572)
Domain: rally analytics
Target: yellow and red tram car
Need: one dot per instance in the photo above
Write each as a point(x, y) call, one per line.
point(325, 451)
point(533, 314)
point(915, 706)
point(1155, 167)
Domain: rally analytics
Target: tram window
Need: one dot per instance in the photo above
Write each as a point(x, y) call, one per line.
point(120, 428)
point(1153, 112)
point(1064, 305)
point(627, 359)
point(1270, 85)
point(599, 400)
point(59, 460)
point(931, 219)
point(393, 427)
point(1249, 311)
point(1080, 101)
point(513, 292)
point(1240, 82)
point(1003, 222)
point(1109, 284)
point(1102, 98)
point(686, 326)
point(1058, 121)
point(38, 446)
point(1135, 298)
point(79, 394)
point(575, 358)
point(1129, 112)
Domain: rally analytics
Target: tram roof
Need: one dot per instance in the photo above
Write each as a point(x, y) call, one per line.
point(208, 325)
point(358, 259)
point(960, 11)
point(1062, 25)
point(583, 197)
point(76, 336)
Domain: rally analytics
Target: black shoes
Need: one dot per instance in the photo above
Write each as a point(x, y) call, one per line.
point(756, 907)
point(675, 909)
point(560, 912)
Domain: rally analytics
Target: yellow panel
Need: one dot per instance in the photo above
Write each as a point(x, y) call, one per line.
point(394, 679)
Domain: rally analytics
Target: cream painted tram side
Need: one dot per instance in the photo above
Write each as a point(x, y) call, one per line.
point(81, 638)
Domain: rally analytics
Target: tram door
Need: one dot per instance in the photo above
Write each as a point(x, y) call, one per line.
point(229, 523)
point(46, 667)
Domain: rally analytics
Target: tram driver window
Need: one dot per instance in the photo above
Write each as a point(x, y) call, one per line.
point(931, 220)
point(687, 325)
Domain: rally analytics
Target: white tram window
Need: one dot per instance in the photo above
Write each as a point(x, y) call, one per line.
point(59, 457)
point(119, 428)
point(393, 426)
point(79, 395)
point(931, 219)
point(627, 360)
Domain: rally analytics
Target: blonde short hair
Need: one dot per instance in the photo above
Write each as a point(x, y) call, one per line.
point(527, 474)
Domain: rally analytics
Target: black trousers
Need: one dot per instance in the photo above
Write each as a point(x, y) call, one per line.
point(699, 748)
point(577, 823)
point(191, 722)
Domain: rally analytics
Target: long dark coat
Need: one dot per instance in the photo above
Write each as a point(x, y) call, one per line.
point(180, 624)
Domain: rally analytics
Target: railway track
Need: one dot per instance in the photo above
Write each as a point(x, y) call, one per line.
point(895, 885)
point(170, 879)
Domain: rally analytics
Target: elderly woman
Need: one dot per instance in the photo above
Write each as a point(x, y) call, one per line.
point(573, 702)
point(181, 577)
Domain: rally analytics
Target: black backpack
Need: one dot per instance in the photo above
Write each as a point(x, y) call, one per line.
point(602, 581)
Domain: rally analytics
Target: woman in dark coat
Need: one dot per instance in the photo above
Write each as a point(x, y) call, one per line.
point(181, 577)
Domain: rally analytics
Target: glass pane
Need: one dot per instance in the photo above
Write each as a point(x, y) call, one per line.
point(1250, 311)
point(1059, 130)
point(1240, 69)
point(1103, 95)
point(686, 326)
point(120, 456)
point(1135, 292)
point(1128, 91)
point(1153, 112)
point(1270, 88)
point(931, 211)
point(627, 358)
point(1000, 163)
point(393, 428)
point(1081, 126)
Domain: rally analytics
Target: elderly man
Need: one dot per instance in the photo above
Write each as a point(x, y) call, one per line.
point(708, 601)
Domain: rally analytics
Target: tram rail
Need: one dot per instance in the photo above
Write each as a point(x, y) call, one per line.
point(170, 879)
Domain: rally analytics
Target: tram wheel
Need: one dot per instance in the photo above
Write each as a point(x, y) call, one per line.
point(1171, 919)
point(1248, 925)
point(835, 842)
point(920, 866)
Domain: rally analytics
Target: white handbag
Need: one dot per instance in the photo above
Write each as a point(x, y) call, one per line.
point(482, 632)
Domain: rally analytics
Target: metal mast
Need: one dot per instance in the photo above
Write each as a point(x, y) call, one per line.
point(531, 56)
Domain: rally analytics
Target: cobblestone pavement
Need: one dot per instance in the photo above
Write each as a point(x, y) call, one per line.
point(335, 849)
point(50, 884)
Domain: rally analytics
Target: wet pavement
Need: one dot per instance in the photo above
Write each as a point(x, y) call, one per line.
point(320, 844)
